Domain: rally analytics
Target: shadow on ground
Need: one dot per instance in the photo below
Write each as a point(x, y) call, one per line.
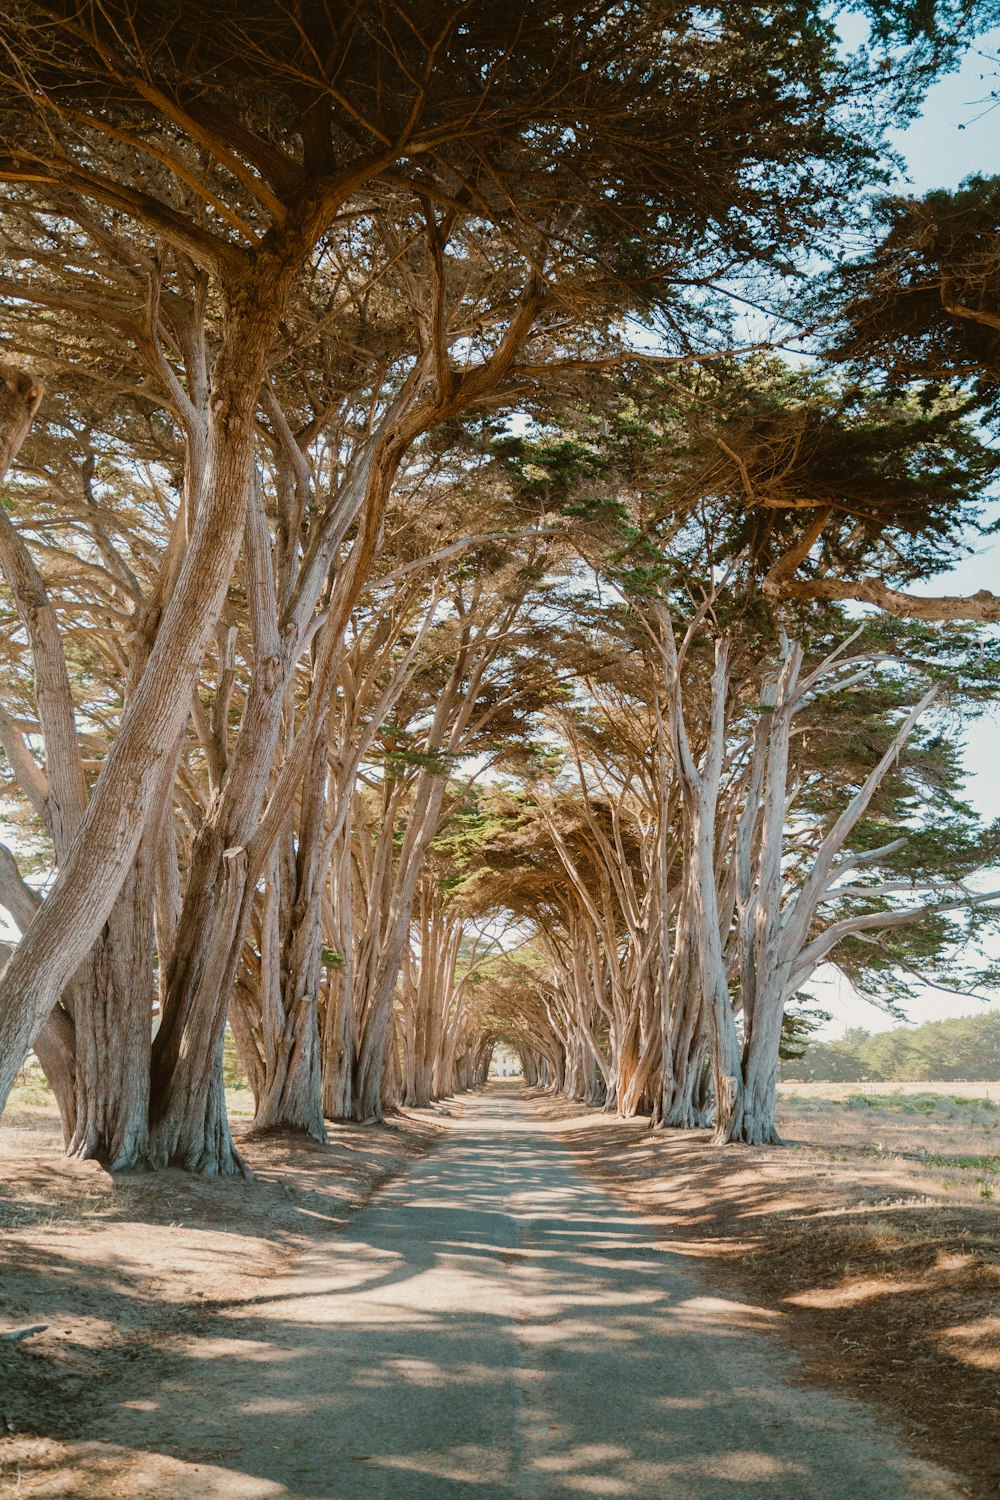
point(492, 1326)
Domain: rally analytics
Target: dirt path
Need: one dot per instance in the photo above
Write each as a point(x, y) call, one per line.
point(493, 1325)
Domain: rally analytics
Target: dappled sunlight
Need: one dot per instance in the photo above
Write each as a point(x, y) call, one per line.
point(861, 1257)
point(726, 1315)
point(101, 1468)
point(457, 1468)
point(852, 1292)
point(746, 1467)
point(976, 1343)
point(597, 1484)
point(495, 1293)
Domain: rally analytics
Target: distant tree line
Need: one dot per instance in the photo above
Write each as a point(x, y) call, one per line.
point(967, 1047)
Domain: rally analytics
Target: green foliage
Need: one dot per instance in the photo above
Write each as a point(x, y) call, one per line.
point(719, 470)
point(797, 1025)
point(923, 306)
point(921, 1104)
point(965, 1048)
point(403, 752)
point(471, 826)
point(233, 1075)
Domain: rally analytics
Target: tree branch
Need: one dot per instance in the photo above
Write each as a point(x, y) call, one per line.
point(979, 606)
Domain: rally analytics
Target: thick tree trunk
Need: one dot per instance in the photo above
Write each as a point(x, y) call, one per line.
point(756, 1126)
point(763, 964)
point(432, 993)
point(89, 880)
point(366, 1103)
point(291, 1098)
point(700, 804)
point(188, 1126)
point(689, 1102)
point(392, 1075)
point(298, 1104)
point(727, 1067)
point(687, 1041)
point(55, 1048)
point(197, 1137)
point(339, 1054)
point(638, 1096)
point(113, 1027)
point(377, 1025)
point(55, 1044)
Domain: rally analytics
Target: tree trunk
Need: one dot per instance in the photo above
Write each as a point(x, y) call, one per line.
point(188, 1125)
point(291, 1098)
point(377, 1024)
point(72, 916)
point(113, 1027)
point(701, 797)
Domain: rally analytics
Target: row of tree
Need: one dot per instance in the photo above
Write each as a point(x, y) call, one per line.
point(964, 1048)
point(399, 660)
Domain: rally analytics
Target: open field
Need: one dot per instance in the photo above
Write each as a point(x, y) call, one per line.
point(948, 1139)
point(839, 1091)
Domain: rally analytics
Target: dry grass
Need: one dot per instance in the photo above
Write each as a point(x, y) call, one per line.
point(949, 1141)
point(953, 1090)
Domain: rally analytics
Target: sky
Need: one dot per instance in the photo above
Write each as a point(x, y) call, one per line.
point(958, 131)
point(957, 134)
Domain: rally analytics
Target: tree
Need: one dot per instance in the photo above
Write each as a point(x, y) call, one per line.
point(289, 274)
point(922, 310)
point(965, 1048)
point(754, 893)
point(210, 173)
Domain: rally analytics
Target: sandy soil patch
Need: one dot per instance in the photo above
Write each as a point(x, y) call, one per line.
point(873, 1237)
point(124, 1271)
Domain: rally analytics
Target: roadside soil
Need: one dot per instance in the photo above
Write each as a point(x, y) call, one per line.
point(121, 1272)
point(872, 1237)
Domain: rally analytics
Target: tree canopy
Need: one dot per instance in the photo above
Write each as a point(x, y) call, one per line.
point(432, 620)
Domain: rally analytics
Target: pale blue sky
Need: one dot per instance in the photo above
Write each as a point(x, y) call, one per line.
point(958, 134)
point(959, 129)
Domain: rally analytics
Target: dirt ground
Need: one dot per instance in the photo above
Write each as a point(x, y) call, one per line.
point(871, 1241)
point(873, 1238)
point(121, 1272)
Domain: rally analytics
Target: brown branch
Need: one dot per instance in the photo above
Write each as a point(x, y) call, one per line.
point(20, 398)
point(973, 314)
point(982, 606)
point(204, 248)
point(119, 68)
point(786, 565)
